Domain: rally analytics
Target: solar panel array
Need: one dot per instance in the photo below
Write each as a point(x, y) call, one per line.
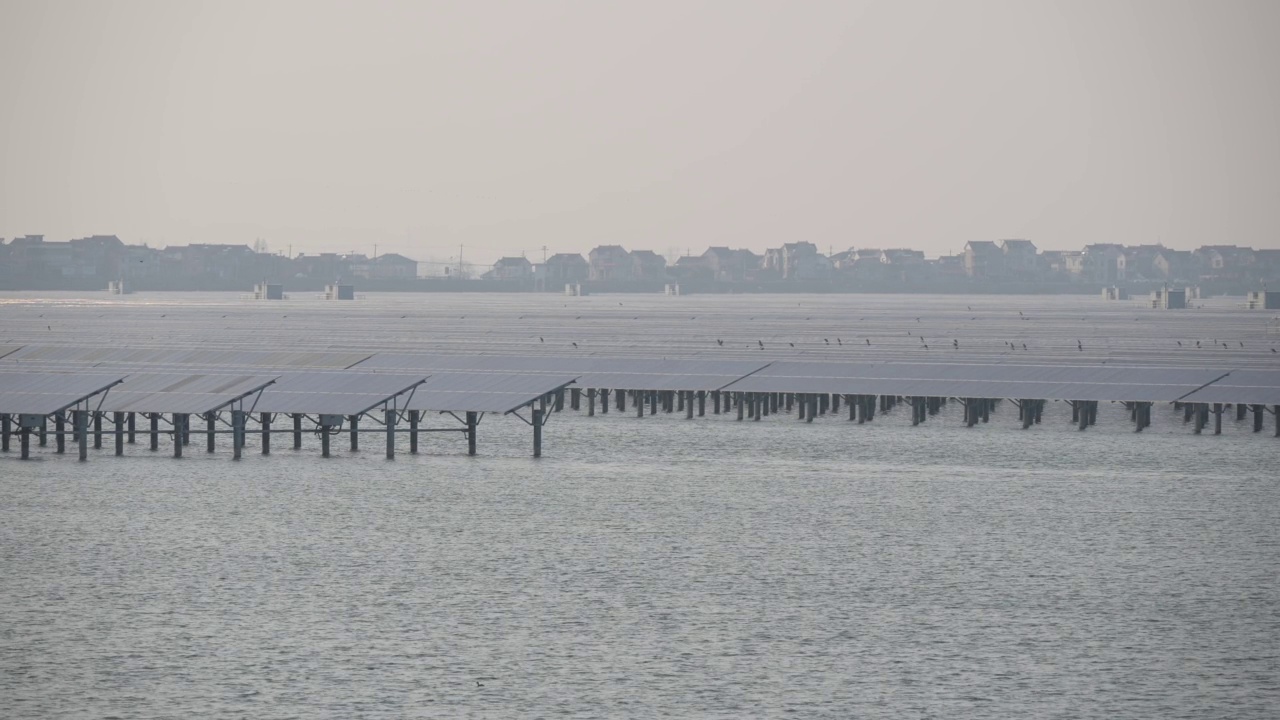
point(484, 391)
point(47, 393)
point(180, 393)
point(987, 346)
point(967, 380)
point(334, 393)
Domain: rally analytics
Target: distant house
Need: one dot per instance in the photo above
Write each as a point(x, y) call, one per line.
point(1019, 258)
point(982, 259)
point(902, 258)
point(1266, 264)
point(949, 266)
point(692, 267)
point(797, 261)
point(610, 262)
point(647, 265)
point(843, 260)
point(1135, 262)
point(1074, 262)
point(1052, 264)
point(327, 266)
point(566, 268)
point(1101, 262)
point(1223, 261)
point(387, 267)
point(511, 268)
point(1173, 265)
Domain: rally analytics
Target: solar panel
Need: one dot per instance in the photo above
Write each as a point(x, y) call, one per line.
point(79, 355)
point(336, 393)
point(181, 393)
point(1104, 383)
point(1255, 387)
point(31, 393)
point(483, 391)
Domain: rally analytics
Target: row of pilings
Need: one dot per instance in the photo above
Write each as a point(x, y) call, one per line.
point(87, 428)
point(862, 408)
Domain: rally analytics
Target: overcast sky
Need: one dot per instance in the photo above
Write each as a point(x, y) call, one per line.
point(507, 127)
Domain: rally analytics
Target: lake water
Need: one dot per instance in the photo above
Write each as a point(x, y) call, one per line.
point(656, 567)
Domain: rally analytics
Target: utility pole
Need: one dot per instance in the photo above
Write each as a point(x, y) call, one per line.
point(544, 254)
point(459, 260)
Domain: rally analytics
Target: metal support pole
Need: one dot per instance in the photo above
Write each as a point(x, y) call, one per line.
point(132, 429)
point(1241, 411)
point(622, 399)
point(851, 401)
point(702, 403)
point(471, 431)
point(813, 407)
point(604, 401)
point(5, 431)
point(155, 431)
point(297, 431)
point(639, 402)
point(210, 428)
point(687, 395)
point(389, 417)
point(324, 441)
point(737, 400)
point(575, 398)
point(178, 420)
point(591, 402)
point(265, 420)
point(24, 440)
point(237, 434)
point(82, 432)
point(60, 428)
point(537, 433)
point(1258, 412)
point(118, 430)
point(413, 432)
point(715, 402)
point(653, 402)
point(354, 422)
point(1217, 418)
point(44, 431)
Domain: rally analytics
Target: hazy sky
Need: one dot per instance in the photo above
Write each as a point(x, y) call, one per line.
point(506, 127)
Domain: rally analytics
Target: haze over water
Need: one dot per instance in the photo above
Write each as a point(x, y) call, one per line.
point(703, 568)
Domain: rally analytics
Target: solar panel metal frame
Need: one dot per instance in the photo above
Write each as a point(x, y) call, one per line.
point(1240, 387)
